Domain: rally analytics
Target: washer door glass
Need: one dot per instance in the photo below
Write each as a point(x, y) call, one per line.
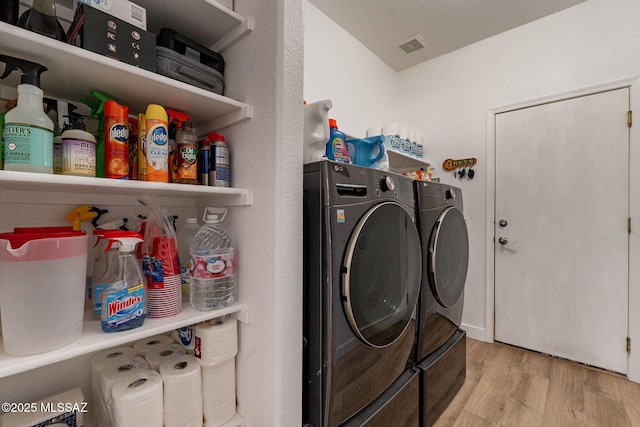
point(381, 274)
point(448, 257)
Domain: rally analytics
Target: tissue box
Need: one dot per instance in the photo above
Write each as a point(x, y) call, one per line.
point(67, 408)
point(121, 9)
point(109, 36)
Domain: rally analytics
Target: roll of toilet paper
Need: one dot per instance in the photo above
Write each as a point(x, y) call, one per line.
point(166, 351)
point(182, 379)
point(219, 392)
point(216, 340)
point(145, 345)
point(98, 362)
point(391, 129)
point(137, 399)
point(374, 131)
point(109, 376)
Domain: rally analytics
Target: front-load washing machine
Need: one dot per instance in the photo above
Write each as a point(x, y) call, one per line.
point(440, 346)
point(362, 268)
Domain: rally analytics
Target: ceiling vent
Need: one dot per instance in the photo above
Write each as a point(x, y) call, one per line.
point(413, 43)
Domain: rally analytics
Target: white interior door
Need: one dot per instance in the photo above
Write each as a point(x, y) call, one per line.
point(561, 228)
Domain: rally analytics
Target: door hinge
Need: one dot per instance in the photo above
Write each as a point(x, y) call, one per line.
point(629, 225)
point(628, 344)
point(629, 118)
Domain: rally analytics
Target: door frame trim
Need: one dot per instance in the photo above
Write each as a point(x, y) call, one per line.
point(633, 83)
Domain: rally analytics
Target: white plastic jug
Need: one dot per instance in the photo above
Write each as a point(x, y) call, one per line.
point(316, 130)
point(42, 281)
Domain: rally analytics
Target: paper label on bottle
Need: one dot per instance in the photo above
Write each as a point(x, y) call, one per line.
point(212, 267)
point(124, 306)
point(28, 145)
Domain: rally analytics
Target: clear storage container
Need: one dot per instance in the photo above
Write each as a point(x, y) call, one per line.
point(42, 282)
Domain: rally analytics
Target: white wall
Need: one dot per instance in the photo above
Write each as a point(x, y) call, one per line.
point(449, 99)
point(362, 88)
point(594, 43)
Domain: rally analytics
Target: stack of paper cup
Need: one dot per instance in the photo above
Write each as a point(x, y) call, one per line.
point(137, 400)
point(216, 345)
point(164, 294)
point(182, 381)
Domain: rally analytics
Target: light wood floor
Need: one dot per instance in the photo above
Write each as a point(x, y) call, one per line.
point(507, 386)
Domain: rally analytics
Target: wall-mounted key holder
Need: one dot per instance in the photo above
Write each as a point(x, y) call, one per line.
point(460, 167)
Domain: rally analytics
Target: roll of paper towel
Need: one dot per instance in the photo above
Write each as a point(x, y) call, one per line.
point(145, 345)
point(98, 362)
point(137, 400)
point(219, 392)
point(182, 379)
point(216, 340)
point(166, 351)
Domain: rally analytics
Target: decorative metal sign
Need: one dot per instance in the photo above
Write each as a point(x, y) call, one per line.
point(451, 164)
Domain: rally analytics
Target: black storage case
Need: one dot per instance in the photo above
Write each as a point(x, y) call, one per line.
point(204, 70)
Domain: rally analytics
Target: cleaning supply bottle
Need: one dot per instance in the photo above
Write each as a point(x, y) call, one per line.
point(28, 131)
point(78, 149)
point(220, 173)
point(336, 147)
point(186, 155)
point(124, 303)
point(105, 265)
point(116, 140)
point(157, 144)
point(142, 147)
point(97, 111)
point(212, 264)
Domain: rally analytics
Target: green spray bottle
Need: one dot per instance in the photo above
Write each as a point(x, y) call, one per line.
point(97, 111)
point(28, 131)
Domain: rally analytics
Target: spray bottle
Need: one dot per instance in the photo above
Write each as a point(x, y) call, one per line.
point(123, 300)
point(97, 110)
point(28, 131)
point(157, 144)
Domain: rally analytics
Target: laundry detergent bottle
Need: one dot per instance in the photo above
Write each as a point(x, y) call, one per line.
point(124, 302)
point(336, 148)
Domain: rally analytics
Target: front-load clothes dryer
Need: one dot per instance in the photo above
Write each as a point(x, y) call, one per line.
point(362, 268)
point(440, 346)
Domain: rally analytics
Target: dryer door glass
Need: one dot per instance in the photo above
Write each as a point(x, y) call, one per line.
point(381, 274)
point(448, 257)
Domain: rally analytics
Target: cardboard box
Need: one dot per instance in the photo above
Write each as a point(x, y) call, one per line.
point(107, 35)
point(121, 9)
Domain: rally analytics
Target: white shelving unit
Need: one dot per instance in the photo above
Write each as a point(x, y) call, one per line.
point(72, 74)
point(94, 339)
point(400, 162)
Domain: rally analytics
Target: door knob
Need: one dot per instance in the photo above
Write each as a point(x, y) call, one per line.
point(503, 223)
point(502, 240)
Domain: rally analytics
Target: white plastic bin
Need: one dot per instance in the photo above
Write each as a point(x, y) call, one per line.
point(42, 284)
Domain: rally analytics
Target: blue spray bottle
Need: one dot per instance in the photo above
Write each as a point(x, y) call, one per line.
point(124, 302)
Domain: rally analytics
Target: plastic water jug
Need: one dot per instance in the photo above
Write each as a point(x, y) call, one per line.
point(42, 282)
point(365, 151)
